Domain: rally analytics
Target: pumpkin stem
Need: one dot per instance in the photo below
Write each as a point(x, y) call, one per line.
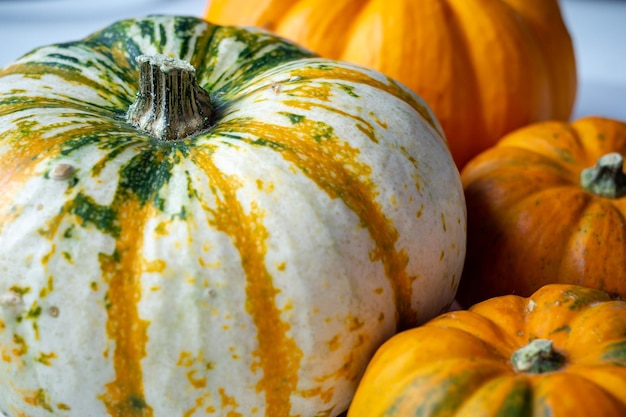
point(537, 357)
point(607, 178)
point(170, 105)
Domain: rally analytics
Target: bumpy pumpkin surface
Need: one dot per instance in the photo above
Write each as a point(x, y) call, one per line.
point(541, 210)
point(559, 353)
point(486, 67)
point(208, 221)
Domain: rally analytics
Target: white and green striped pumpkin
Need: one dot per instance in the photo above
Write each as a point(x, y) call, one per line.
point(236, 243)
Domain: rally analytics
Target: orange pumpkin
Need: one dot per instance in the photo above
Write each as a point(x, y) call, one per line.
point(486, 67)
point(559, 353)
point(547, 205)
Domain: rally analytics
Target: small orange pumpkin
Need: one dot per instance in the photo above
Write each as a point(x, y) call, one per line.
point(547, 205)
point(559, 353)
point(486, 67)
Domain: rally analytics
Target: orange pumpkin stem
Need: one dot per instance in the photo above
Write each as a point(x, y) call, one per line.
point(607, 178)
point(170, 104)
point(537, 357)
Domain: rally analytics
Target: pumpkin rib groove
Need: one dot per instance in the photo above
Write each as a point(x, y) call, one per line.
point(604, 377)
point(525, 221)
point(331, 17)
point(485, 330)
point(547, 389)
point(503, 396)
point(442, 395)
point(587, 233)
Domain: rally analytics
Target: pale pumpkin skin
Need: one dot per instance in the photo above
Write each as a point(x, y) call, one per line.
point(468, 363)
point(486, 67)
point(251, 269)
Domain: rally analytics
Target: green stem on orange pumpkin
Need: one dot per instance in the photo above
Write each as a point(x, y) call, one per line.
point(170, 104)
point(537, 357)
point(607, 178)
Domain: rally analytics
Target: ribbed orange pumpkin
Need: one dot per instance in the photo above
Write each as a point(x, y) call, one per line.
point(540, 211)
point(559, 353)
point(486, 67)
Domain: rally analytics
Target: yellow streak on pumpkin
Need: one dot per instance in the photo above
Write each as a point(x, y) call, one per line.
point(346, 74)
point(17, 167)
point(334, 166)
point(364, 126)
point(321, 91)
point(124, 396)
point(278, 355)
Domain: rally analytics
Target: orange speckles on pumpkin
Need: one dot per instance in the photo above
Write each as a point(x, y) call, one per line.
point(233, 355)
point(379, 291)
point(443, 222)
point(155, 266)
point(420, 212)
point(199, 403)
point(326, 395)
point(185, 358)
point(281, 266)
point(442, 255)
point(195, 380)
point(334, 343)
point(205, 264)
point(230, 402)
point(353, 323)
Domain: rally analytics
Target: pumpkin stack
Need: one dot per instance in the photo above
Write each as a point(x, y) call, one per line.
point(545, 271)
point(200, 220)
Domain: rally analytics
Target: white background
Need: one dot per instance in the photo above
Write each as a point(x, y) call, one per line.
point(598, 29)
